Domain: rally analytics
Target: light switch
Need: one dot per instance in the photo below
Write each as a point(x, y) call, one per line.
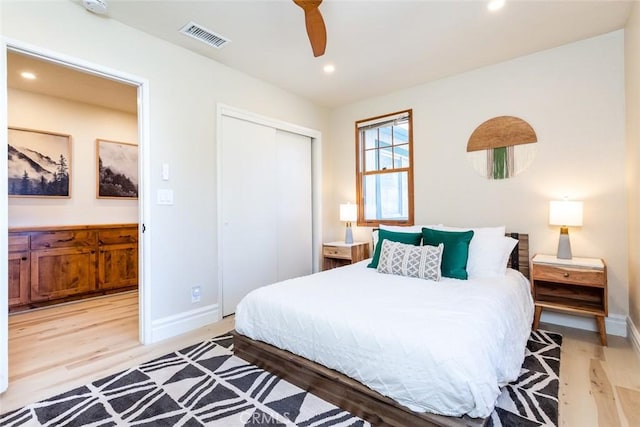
point(165, 171)
point(165, 197)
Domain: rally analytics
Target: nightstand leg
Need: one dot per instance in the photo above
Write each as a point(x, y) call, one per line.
point(602, 330)
point(536, 318)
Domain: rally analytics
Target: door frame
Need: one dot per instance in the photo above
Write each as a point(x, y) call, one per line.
point(316, 178)
point(144, 190)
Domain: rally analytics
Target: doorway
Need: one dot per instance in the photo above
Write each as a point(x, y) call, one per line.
point(140, 91)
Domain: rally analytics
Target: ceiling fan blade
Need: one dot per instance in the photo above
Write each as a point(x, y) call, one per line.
point(316, 29)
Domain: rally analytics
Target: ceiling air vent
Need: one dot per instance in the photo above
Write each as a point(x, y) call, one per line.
point(198, 32)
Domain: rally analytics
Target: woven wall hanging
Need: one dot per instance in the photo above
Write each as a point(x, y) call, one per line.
point(502, 147)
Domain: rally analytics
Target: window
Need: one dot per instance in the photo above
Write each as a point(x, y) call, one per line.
point(384, 167)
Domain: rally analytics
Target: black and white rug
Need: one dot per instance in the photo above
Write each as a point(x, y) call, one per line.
point(205, 385)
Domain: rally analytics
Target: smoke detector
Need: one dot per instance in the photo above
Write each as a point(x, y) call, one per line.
point(96, 6)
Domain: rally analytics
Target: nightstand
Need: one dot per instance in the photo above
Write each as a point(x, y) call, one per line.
point(337, 254)
point(577, 285)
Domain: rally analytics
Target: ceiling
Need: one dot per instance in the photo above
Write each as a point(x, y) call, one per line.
point(376, 46)
point(61, 81)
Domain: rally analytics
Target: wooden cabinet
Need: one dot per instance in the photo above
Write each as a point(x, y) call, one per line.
point(337, 254)
point(61, 272)
point(18, 269)
point(577, 286)
point(55, 264)
point(118, 258)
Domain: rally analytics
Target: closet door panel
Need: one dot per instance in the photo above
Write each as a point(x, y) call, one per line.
point(294, 218)
point(249, 255)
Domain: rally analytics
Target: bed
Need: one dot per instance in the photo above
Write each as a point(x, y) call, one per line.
point(393, 350)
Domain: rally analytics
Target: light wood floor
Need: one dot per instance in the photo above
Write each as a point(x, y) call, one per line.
point(55, 349)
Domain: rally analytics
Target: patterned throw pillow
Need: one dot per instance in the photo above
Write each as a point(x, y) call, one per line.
point(409, 260)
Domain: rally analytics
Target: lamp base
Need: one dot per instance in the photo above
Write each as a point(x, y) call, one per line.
point(564, 245)
point(348, 235)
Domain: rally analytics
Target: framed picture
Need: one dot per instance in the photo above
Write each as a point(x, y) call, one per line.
point(117, 170)
point(39, 163)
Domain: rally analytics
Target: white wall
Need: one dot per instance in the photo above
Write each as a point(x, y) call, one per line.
point(85, 123)
point(573, 96)
point(632, 76)
point(183, 91)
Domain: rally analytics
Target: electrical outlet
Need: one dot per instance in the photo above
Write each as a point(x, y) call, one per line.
point(195, 294)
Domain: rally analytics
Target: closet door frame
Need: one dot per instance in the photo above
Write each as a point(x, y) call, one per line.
point(316, 179)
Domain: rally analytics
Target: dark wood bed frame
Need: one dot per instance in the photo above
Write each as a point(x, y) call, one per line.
point(345, 392)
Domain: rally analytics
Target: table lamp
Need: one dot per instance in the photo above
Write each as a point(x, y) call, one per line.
point(566, 214)
point(348, 214)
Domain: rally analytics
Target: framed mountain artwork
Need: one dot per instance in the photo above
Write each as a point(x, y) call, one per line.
point(117, 170)
point(39, 163)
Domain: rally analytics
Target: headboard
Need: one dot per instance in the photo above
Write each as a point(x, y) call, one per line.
point(519, 258)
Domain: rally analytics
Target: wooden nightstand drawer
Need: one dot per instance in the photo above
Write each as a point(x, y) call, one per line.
point(575, 276)
point(576, 286)
point(342, 252)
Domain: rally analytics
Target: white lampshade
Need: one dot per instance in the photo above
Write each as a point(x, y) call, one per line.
point(348, 212)
point(565, 213)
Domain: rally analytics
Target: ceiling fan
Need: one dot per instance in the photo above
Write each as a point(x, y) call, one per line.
point(315, 25)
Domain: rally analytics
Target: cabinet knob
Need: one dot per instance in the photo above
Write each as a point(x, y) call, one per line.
point(566, 274)
point(24, 258)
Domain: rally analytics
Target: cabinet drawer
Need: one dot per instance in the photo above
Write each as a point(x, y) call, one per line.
point(343, 252)
point(117, 236)
point(18, 243)
point(63, 239)
point(569, 275)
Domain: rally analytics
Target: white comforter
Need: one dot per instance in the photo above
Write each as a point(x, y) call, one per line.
point(443, 347)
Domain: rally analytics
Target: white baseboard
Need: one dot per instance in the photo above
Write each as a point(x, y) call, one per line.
point(634, 335)
point(615, 323)
point(172, 326)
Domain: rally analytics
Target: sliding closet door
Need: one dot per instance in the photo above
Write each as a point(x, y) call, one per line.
point(266, 208)
point(294, 216)
point(249, 210)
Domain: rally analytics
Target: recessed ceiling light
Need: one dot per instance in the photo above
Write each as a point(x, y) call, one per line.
point(329, 68)
point(495, 5)
point(28, 75)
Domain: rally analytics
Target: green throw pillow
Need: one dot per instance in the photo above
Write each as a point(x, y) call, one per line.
point(456, 250)
point(408, 238)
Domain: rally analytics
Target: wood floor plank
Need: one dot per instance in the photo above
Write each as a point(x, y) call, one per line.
point(630, 402)
point(603, 395)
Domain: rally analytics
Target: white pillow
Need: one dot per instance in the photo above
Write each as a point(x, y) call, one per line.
point(494, 259)
point(488, 253)
point(412, 261)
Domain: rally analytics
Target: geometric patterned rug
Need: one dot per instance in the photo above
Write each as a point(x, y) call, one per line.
point(205, 385)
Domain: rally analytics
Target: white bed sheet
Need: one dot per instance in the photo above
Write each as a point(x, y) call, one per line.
point(442, 347)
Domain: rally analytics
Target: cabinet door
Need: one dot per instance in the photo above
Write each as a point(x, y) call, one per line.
point(57, 273)
point(118, 266)
point(18, 278)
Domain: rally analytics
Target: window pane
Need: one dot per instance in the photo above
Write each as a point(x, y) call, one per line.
point(370, 138)
point(401, 133)
point(386, 158)
point(386, 196)
point(384, 135)
point(371, 160)
point(401, 156)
